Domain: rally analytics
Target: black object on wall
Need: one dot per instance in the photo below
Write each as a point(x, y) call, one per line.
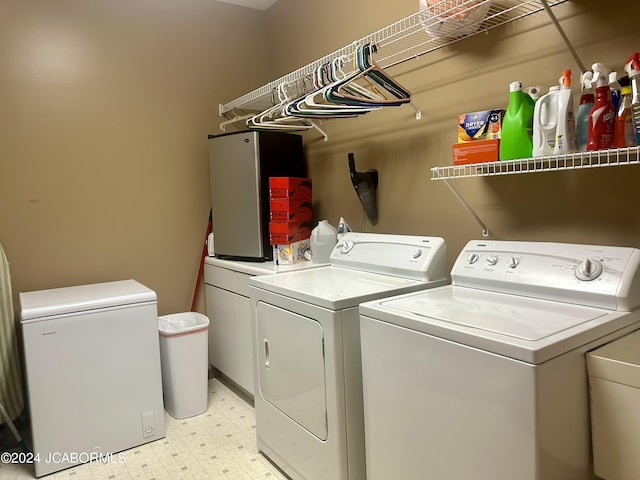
point(365, 184)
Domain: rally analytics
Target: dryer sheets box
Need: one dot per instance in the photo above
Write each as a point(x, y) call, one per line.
point(291, 253)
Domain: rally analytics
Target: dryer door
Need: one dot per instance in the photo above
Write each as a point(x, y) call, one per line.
point(291, 371)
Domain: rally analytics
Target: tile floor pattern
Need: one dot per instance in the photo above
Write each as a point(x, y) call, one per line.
point(220, 444)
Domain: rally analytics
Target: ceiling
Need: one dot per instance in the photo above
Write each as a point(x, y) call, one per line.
point(257, 4)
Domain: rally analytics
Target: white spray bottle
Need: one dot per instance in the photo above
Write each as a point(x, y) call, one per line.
point(565, 141)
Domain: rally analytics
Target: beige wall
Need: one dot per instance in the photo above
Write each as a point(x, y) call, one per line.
point(105, 107)
point(589, 206)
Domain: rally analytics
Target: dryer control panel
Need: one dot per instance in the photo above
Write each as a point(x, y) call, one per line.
point(407, 256)
point(594, 275)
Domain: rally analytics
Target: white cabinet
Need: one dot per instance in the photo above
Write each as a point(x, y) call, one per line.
point(229, 312)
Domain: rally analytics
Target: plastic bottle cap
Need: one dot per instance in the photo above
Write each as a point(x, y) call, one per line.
point(600, 74)
point(515, 86)
point(632, 65)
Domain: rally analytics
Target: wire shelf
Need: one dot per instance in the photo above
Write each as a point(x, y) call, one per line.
point(406, 39)
point(552, 163)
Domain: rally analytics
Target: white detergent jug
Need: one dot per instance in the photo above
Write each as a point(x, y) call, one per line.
point(323, 238)
point(545, 122)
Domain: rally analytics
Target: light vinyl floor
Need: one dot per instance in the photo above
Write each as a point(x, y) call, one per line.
point(220, 444)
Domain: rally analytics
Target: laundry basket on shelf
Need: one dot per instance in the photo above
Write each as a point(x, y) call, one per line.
point(451, 19)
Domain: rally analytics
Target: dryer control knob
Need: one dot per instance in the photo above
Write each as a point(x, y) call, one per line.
point(588, 270)
point(416, 252)
point(512, 262)
point(347, 246)
point(492, 260)
point(472, 258)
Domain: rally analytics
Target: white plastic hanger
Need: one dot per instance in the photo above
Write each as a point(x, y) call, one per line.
point(273, 118)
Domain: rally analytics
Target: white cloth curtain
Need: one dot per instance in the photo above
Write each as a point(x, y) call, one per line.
point(10, 376)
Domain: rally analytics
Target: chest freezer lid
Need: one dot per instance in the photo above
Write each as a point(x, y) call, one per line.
point(531, 330)
point(81, 298)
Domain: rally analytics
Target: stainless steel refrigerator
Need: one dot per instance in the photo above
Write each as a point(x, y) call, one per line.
point(240, 165)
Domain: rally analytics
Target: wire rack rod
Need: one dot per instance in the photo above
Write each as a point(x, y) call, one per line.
point(552, 163)
point(407, 39)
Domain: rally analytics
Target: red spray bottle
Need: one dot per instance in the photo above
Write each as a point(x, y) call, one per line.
point(602, 116)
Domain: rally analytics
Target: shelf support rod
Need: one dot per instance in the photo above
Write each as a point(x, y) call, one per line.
point(563, 35)
point(485, 230)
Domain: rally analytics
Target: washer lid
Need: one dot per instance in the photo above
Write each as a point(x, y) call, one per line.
point(527, 329)
point(337, 288)
point(81, 298)
point(507, 315)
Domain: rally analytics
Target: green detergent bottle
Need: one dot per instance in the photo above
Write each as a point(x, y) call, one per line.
point(517, 125)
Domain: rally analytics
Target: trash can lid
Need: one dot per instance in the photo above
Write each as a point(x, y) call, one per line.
point(181, 323)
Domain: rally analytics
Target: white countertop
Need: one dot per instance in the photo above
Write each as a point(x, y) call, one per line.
point(260, 268)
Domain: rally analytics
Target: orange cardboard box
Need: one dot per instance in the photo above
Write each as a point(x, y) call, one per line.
point(476, 152)
point(290, 188)
point(281, 233)
point(282, 210)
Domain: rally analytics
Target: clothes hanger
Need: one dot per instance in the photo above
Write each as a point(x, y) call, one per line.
point(236, 118)
point(370, 71)
point(272, 118)
point(314, 105)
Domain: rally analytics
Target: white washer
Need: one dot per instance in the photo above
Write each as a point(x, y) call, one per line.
point(308, 395)
point(486, 378)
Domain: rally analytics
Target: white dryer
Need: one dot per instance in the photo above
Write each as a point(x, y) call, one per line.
point(308, 395)
point(486, 378)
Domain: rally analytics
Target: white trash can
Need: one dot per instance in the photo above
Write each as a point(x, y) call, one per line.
point(184, 358)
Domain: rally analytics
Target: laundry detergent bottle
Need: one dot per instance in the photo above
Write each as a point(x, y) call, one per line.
point(602, 116)
point(545, 122)
point(565, 141)
point(586, 104)
point(632, 67)
point(517, 125)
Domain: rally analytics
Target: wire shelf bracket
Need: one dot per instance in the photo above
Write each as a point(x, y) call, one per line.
point(551, 163)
